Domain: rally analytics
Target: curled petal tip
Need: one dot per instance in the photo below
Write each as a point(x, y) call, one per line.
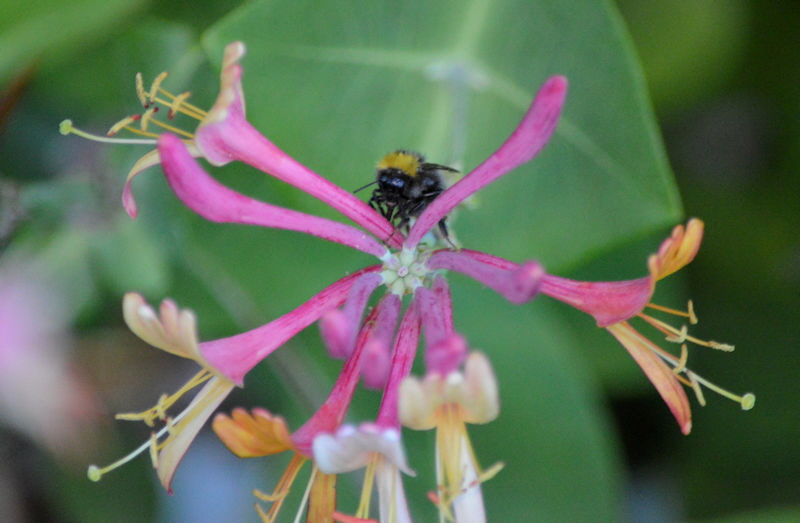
point(234, 51)
point(128, 202)
point(556, 85)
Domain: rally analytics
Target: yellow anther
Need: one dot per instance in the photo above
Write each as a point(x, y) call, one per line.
point(698, 390)
point(679, 336)
point(681, 366)
point(721, 346)
point(690, 310)
point(147, 117)
point(177, 103)
point(123, 124)
point(156, 86)
point(140, 92)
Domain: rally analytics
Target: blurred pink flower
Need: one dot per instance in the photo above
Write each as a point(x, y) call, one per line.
point(41, 394)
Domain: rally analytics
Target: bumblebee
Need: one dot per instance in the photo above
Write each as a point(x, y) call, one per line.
point(406, 185)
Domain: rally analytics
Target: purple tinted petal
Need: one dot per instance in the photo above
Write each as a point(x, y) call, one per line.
point(339, 327)
point(517, 283)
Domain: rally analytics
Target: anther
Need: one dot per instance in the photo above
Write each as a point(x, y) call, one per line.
point(147, 117)
point(681, 366)
point(140, 92)
point(122, 124)
point(156, 86)
point(690, 310)
point(679, 336)
point(698, 390)
point(176, 104)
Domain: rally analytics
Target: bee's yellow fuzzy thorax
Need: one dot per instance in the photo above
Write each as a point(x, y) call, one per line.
point(405, 161)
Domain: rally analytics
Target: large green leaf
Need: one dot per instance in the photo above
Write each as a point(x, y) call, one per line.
point(47, 30)
point(339, 85)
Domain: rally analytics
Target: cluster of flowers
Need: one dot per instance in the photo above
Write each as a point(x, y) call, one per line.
point(378, 346)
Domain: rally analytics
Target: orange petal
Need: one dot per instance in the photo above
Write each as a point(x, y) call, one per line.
point(250, 435)
point(658, 372)
point(677, 251)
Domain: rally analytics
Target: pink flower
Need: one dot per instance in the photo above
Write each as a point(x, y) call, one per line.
point(41, 394)
point(380, 348)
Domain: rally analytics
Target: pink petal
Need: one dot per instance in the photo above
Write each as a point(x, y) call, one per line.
point(186, 430)
point(226, 136)
point(658, 372)
point(339, 327)
point(215, 202)
point(607, 302)
point(405, 349)
point(530, 136)
point(517, 283)
point(236, 355)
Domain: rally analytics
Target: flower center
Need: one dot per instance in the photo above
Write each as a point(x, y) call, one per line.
point(406, 270)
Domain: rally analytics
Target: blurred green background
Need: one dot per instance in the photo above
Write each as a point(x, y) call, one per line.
point(584, 435)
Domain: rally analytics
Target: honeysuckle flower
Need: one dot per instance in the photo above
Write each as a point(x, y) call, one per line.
point(377, 446)
point(262, 434)
point(613, 304)
point(447, 402)
point(378, 349)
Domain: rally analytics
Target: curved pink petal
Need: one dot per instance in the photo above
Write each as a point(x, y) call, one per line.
point(235, 356)
point(225, 135)
point(659, 373)
point(607, 302)
point(215, 202)
point(186, 430)
point(530, 136)
point(518, 283)
point(405, 349)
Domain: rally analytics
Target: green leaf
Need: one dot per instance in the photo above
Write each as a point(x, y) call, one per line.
point(337, 86)
point(48, 30)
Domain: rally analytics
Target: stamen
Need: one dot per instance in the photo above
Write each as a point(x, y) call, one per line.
point(156, 86)
point(122, 124)
point(176, 104)
point(678, 336)
point(154, 449)
point(698, 390)
point(681, 366)
point(689, 313)
point(140, 92)
point(366, 489)
point(96, 473)
point(281, 490)
point(173, 129)
point(66, 128)
point(681, 335)
point(690, 309)
point(158, 411)
point(147, 117)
